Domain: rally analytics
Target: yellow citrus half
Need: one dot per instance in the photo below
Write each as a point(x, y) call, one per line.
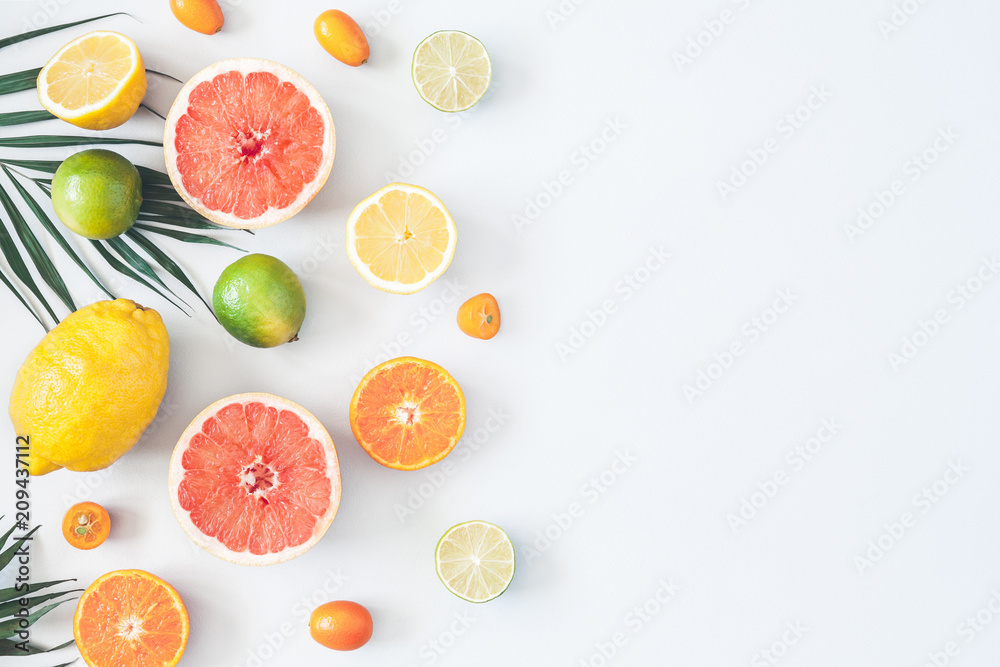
point(401, 238)
point(95, 82)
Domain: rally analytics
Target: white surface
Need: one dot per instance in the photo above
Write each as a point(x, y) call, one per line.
point(665, 516)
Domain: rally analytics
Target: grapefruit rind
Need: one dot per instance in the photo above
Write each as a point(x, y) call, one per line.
point(395, 286)
point(368, 447)
point(212, 544)
point(245, 66)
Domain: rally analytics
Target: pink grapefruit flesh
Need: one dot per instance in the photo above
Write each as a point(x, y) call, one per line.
point(255, 480)
point(248, 143)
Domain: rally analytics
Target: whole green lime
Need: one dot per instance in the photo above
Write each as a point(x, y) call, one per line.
point(260, 301)
point(97, 193)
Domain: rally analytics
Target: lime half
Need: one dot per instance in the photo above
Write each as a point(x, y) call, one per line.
point(475, 561)
point(451, 70)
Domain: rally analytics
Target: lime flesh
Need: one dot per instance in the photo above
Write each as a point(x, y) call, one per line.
point(475, 561)
point(260, 301)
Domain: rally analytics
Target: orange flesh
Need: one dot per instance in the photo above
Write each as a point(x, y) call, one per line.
point(409, 415)
point(131, 620)
point(248, 143)
point(86, 525)
point(254, 480)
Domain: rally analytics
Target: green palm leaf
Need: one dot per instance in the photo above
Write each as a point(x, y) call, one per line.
point(54, 233)
point(53, 28)
point(21, 117)
point(9, 647)
point(59, 141)
point(42, 263)
point(164, 261)
point(124, 269)
point(15, 82)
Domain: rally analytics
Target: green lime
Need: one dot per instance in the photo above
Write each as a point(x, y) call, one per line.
point(475, 561)
point(260, 301)
point(97, 193)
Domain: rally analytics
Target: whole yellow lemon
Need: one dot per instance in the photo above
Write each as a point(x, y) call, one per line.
point(86, 393)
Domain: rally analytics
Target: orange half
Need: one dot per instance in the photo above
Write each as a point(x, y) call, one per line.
point(408, 413)
point(131, 618)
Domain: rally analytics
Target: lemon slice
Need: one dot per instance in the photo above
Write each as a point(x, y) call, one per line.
point(475, 561)
point(451, 70)
point(95, 82)
point(401, 238)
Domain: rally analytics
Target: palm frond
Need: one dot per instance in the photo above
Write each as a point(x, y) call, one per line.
point(124, 269)
point(22, 117)
point(52, 28)
point(15, 82)
point(60, 141)
point(161, 258)
point(29, 241)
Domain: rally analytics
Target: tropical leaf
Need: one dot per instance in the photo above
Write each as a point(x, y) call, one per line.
point(153, 177)
point(124, 269)
point(153, 71)
point(15, 82)
point(14, 260)
point(42, 263)
point(59, 141)
point(187, 237)
point(22, 117)
point(164, 261)
point(43, 218)
point(46, 166)
point(11, 627)
point(11, 593)
point(8, 555)
point(53, 28)
point(9, 647)
point(10, 608)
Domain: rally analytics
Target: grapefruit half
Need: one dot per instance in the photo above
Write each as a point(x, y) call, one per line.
point(255, 480)
point(248, 142)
